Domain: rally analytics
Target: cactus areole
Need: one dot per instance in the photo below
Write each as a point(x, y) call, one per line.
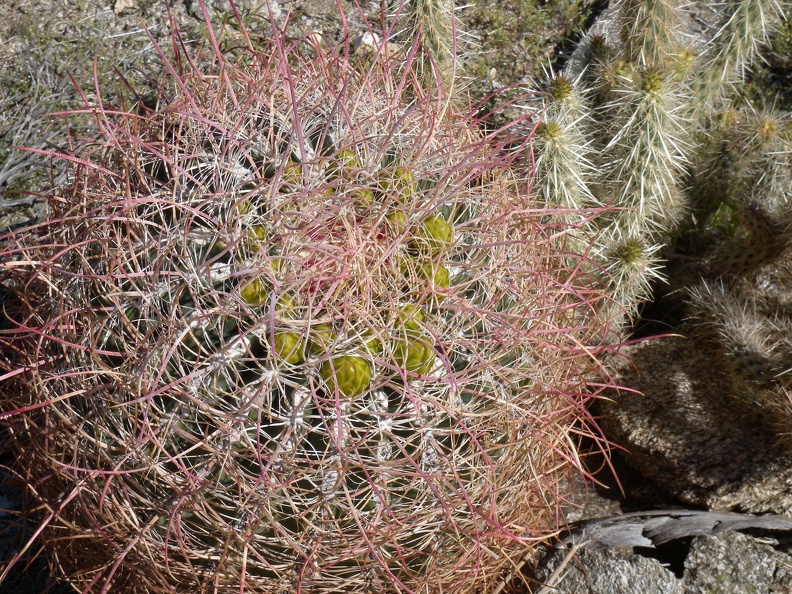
point(230, 373)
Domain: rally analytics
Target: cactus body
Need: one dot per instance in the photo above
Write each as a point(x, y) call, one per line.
point(274, 388)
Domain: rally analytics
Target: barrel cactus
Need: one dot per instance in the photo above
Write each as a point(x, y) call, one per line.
point(295, 326)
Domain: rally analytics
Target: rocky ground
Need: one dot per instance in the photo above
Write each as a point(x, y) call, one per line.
point(686, 445)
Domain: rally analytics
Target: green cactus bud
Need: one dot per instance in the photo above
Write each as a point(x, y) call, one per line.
point(437, 274)
point(435, 235)
point(344, 162)
point(255, 293)
point(363, 197)
point(397, 221)
point(351, 374)
point(286, 306)
point(372, 344)
point(292, 173)
point(410, 317)
point(278, 264)
point(398, 183)
point(244, 207)
point(414, 353)
point(322, 338)
point(256, 237)
point(288, 347)
point(683, 62)
point(258, 233)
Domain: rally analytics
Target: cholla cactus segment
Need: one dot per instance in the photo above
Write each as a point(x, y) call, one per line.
point(563, 170)
point(745, 26)
point(562, 167)
point(649, 30)
point(648, 151)
point(755, 339)
point(650, 82)
point(432, 24)
point(765, 145)
point(747, 335)
point(742, 194)
point(230, 375)
point(632, 264)
point(629, 153)
point(742, 190)
point(756, 238)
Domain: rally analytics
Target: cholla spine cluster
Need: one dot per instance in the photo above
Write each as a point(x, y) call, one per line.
point(657, 133)
point(432, 27)
point(641, 100)
point(742, 294)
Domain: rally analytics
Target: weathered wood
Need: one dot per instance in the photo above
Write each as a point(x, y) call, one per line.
point(652, 528)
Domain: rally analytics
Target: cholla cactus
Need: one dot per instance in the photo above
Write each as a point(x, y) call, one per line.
point(747, 334)
point(745, 256)
point(636, 134)
point(753, 332)
point(296, 328)
point(432, 24)
point(742, 192)
point(649, 30)
point(624, 148)
point(743, 27)
point(672, 142)
point(562, 167)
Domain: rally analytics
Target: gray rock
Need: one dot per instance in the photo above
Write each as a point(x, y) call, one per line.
point(582, 501)
point(726, 563)
point(688, 432)
point(733, 563)
point(610, 572)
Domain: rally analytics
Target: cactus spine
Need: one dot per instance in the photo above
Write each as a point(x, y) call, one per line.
point(305, 331)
